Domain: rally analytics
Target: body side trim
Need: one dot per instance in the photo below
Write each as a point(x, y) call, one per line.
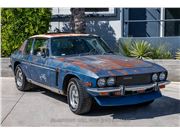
point(58, 91)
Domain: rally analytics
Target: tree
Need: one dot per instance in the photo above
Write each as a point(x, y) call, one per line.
point(77, 21)
point(20, 23)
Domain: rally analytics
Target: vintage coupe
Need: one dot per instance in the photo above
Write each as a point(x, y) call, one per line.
point(83, 67)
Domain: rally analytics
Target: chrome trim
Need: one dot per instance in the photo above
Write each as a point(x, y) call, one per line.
point(39, 66)
point(58, 91)
point(128, 88)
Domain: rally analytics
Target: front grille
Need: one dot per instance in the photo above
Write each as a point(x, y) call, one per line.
point(133, 80)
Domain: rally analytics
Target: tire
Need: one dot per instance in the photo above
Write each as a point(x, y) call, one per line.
point(79, 100)
point(20, 80)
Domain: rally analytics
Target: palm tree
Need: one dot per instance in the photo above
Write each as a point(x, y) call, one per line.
point(77, 21)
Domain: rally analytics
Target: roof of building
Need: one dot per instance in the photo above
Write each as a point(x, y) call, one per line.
point(50, 35)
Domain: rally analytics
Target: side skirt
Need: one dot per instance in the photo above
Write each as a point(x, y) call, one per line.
point(55, 90)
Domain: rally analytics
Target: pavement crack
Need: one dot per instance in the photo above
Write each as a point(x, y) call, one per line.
point(12, 108)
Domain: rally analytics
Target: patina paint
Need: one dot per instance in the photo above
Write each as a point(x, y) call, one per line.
point(106, 64)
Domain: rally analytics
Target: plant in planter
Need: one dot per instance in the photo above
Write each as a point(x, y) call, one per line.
point(178, 54)
point(124, 47)
point(160, 53)
point(140, 49)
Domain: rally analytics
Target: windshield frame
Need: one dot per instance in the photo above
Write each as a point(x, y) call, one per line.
point(97, 37)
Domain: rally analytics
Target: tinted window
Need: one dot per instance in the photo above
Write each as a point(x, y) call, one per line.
point(141, 22)
point(28, 46)
point(172, 25)
point(39, 45)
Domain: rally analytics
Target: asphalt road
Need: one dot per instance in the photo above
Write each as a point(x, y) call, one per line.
point(40, 107)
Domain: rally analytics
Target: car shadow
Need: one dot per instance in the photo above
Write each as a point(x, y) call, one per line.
point(160, 107)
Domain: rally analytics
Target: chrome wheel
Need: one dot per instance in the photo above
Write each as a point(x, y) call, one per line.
point(73, 95)
point(19, 77)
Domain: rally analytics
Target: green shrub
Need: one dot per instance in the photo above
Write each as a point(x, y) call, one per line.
point(20, 23)
point(178, 54)
point(160, 53)
point(140, 49)
point(124, 47)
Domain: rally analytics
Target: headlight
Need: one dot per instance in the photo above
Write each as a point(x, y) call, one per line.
point(110, 81)
point(162, 76)
point(154, 77)
point(101, 82)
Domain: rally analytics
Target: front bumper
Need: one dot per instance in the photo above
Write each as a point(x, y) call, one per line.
point(123, 89)
point(150, 92)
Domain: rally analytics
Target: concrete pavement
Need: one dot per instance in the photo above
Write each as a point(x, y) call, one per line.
point(41, 107)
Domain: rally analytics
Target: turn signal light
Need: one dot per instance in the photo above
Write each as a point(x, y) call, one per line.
point(103, 93)
point(88, 84)
point(162, 86)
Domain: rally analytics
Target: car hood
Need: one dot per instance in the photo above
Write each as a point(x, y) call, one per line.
point(105, 63)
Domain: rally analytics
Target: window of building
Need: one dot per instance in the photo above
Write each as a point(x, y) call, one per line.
point(172, 22)
point(141, 22)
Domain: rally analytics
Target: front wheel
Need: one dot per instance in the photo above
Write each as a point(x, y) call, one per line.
point(78, 99)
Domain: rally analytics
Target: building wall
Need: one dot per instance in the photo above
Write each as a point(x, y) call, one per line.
point(119, 23)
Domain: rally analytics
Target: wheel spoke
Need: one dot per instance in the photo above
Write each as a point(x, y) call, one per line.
point(74, 95)
point(19, 77)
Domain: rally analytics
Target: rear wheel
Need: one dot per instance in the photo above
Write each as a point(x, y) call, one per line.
point(78, 99)
point(20, 80)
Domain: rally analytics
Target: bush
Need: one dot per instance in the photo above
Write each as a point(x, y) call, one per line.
point(124, 47)
point(20, 23)
point(160, 53)
point(178, 54)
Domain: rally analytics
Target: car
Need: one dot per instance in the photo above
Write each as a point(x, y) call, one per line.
point(85, 69)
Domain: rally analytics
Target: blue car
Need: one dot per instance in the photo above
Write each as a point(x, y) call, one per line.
point(85, 69)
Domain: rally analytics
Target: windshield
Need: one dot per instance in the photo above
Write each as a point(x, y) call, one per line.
point(78, 45)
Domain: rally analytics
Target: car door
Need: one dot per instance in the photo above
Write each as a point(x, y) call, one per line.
point(39, 69)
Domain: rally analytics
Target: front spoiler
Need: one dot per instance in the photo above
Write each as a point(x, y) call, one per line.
point(127, 100)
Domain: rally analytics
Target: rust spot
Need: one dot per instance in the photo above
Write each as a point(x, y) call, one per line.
point(122, 71)
point(61, 59)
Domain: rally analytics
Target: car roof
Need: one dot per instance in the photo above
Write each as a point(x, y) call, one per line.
point(51, 35)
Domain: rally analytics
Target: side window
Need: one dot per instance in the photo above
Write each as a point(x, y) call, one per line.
point(39, 45)
point(28, 46)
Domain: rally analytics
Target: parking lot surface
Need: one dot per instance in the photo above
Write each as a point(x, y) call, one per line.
point(40, 107)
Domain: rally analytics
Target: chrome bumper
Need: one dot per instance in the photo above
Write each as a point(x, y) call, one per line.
point(129, 88)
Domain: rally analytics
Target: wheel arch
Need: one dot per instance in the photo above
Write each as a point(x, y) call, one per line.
point(15, 65)
point(66, 81)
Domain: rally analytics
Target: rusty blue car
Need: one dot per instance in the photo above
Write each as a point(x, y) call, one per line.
point(84, 68)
